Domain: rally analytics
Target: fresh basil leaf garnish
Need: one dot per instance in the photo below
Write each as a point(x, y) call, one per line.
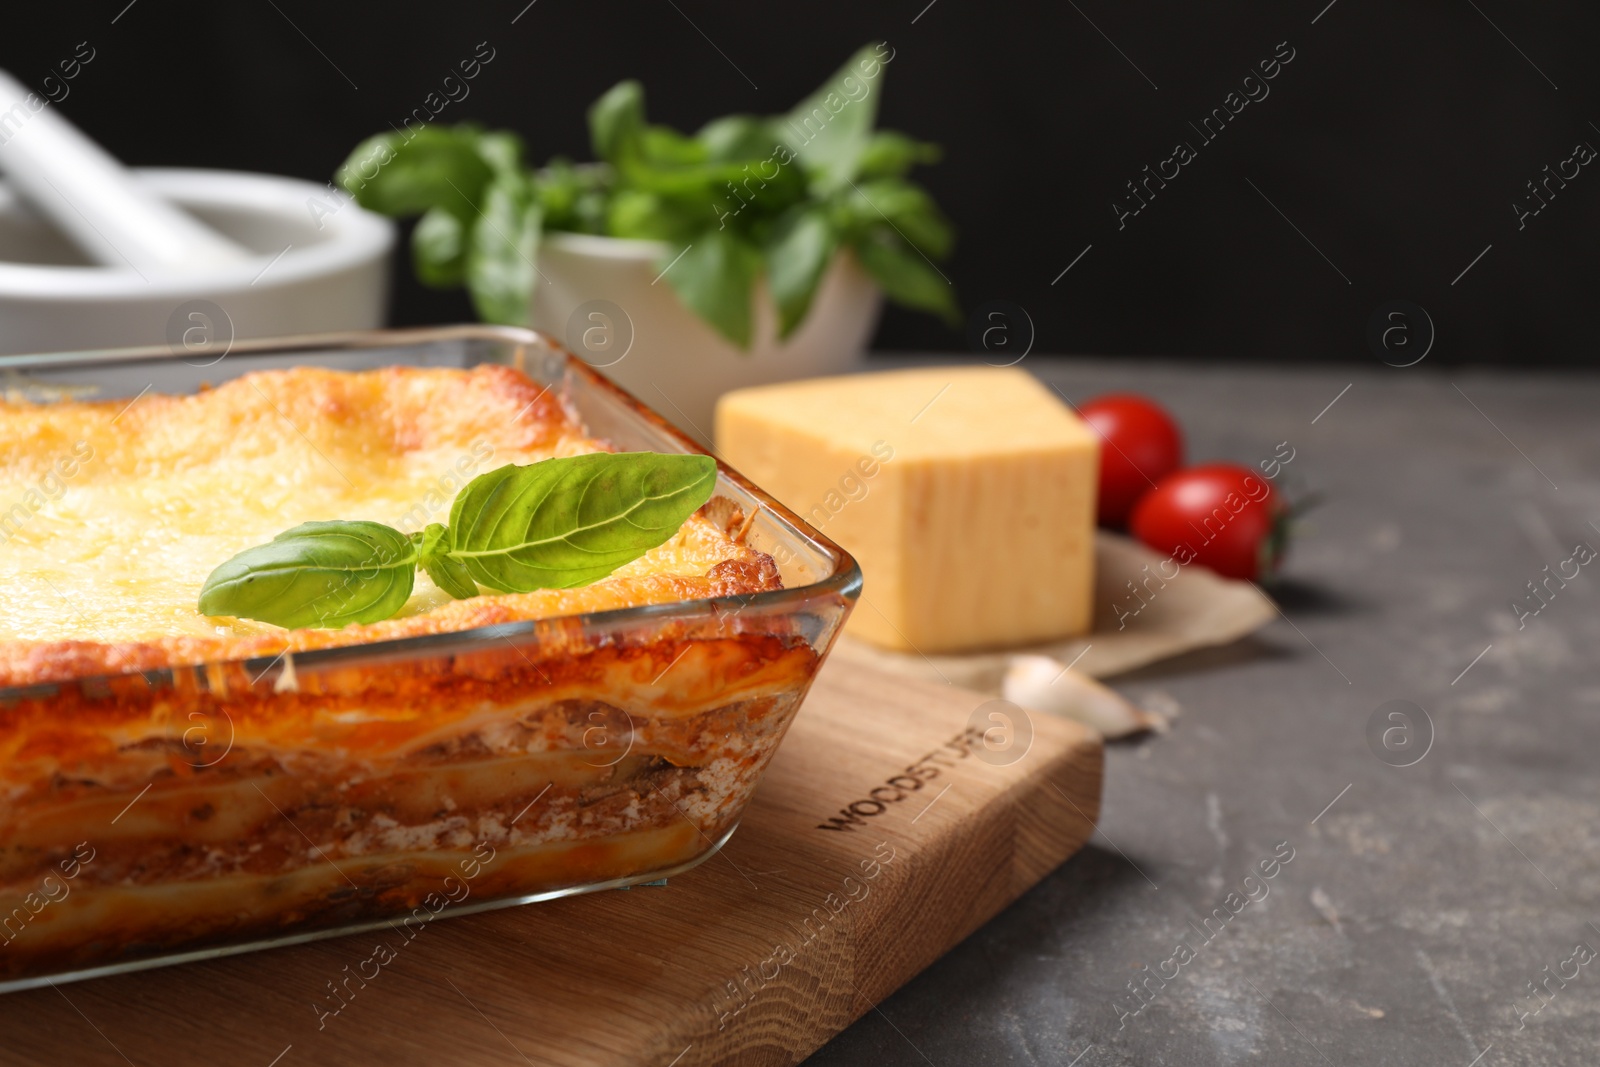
point(324, 574)
point(433, 546)
point(571, 521)
point(555, 524)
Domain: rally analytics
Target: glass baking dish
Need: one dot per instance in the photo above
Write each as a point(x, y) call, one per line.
point(604, 749)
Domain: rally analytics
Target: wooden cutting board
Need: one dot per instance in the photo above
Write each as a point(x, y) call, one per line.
point(756, 957)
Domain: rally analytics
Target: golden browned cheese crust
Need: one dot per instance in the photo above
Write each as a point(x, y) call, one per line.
point(111, 513)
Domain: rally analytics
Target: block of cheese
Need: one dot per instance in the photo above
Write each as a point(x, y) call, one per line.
point(966, 494)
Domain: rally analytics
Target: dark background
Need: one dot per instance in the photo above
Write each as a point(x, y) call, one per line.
point(1396, 140)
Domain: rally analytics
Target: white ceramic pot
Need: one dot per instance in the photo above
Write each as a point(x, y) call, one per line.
point(320, 264)
point(604, 299)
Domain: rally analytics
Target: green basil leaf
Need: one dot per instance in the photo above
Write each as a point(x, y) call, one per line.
point(439, 249)
point(928, 230)
point(502, 150)
point(665, 146)
point(906, 207)
point(644, 216)
point(318, 574)
point(890, 154)
point(616, 124)
point(573, 198)
point(713, 278)
point(696, 185)
point(408, 173)
point(571, 521)
point(828, 130)
point(736, 137)
point(759, 193)
point(907, 278)
point(558, 185)
point(433, 544)
point(501, 267)
point(801, 246)
point(589, 213)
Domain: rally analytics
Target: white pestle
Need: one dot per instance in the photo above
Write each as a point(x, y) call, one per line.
point(92, 198)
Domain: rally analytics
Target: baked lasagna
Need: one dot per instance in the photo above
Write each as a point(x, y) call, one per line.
point(172, 781)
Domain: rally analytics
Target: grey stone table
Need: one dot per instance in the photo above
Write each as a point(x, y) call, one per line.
point(1421, 901)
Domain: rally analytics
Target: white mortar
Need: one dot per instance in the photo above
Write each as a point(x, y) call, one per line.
point(330, 278)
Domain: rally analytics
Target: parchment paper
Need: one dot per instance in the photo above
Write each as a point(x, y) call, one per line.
point(1195, 609)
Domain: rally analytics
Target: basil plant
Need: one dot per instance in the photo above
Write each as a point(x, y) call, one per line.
point(742, 197)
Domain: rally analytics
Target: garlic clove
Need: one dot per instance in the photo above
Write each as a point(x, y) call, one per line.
point(1043, 684)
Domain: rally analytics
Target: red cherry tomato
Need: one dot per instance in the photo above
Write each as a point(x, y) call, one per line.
point(1140, 444)
point(1220, 515)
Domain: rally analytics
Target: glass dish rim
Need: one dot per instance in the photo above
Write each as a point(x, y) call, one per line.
point(843, 581)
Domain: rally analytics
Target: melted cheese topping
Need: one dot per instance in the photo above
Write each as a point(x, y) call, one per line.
point(113, 514)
